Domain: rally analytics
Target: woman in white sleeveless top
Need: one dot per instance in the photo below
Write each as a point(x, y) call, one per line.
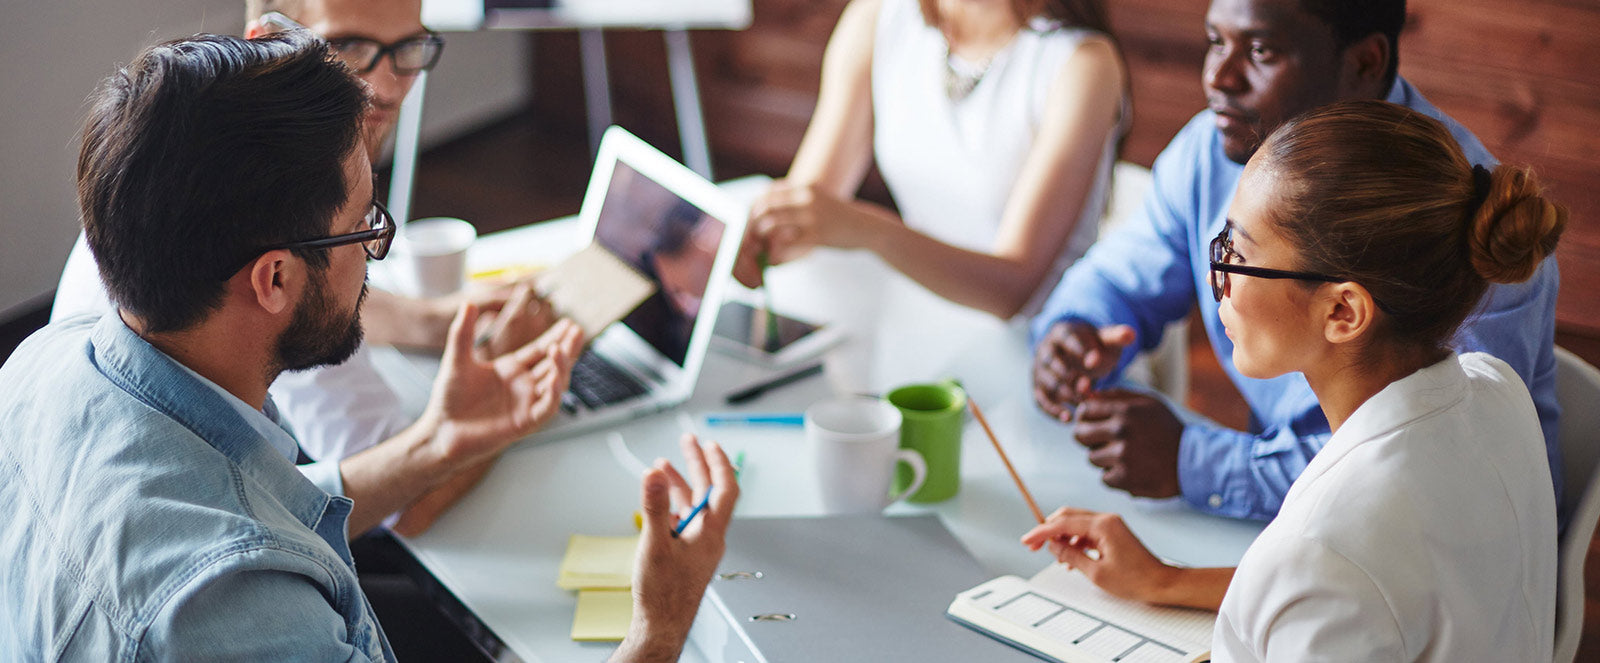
point(995, 125)
point(1359, 240)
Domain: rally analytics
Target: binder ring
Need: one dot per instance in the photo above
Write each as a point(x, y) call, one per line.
point(774, 617)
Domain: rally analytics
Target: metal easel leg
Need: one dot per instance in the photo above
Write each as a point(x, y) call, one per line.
point(596, 85)
point(686, 101)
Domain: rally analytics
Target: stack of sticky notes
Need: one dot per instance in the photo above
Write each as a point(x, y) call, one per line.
point(601, 569)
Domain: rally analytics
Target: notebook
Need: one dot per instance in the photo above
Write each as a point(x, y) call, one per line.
point(1061, 616)
point(841, 588)
point(594, 288)
point(677, 235)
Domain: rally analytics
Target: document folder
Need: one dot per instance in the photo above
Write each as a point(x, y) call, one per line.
point(842, 588)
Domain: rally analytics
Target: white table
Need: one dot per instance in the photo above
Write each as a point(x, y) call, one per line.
point(499, 548)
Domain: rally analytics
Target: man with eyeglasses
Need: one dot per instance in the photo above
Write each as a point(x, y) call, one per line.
point(1268, 61)
point(338, 411)
point(153, 510)
point(383, 41)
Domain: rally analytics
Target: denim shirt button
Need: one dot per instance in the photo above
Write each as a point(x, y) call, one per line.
point(1215, 501)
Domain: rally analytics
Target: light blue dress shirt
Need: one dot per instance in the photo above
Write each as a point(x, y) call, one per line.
point(1151, 271)
point(148, 518)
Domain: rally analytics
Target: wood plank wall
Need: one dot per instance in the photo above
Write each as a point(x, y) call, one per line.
point(1524, 76)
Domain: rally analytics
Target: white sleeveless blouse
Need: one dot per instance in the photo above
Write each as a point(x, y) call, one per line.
point(951, 165)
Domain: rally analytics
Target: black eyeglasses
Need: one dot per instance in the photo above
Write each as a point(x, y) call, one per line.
point(1221, 266)
point(409, 56)
point(375, 240)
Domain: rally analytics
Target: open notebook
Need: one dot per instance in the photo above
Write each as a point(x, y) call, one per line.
point(1060, 615)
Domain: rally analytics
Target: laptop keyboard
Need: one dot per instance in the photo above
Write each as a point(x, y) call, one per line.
point(597, 382)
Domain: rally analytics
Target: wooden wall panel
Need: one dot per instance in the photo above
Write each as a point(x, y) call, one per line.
point(1525, 76)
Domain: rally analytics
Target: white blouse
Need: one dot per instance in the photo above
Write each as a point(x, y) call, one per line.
point(951, 165)
point(1424, 531)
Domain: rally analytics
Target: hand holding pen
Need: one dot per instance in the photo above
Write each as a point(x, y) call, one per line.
point(671, 572)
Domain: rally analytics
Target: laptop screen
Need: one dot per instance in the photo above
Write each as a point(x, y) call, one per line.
point(669, 240)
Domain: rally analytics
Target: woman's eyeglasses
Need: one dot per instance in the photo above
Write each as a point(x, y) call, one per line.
point(1222, 255)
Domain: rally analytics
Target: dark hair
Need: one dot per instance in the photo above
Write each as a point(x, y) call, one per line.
point(1382, 195)
point(1354, 20)
point(205, 149)
point(1089, 14)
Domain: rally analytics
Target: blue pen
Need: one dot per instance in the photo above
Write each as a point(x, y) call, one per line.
point(697, 509)
point(786, 419)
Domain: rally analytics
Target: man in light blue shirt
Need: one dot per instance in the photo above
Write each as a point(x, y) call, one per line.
point(153, 511)
point(1268, 61)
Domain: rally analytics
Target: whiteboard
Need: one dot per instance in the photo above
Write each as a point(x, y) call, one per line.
point(467, 15)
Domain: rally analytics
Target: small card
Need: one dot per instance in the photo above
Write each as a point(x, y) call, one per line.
point(602, 615)
point(594, 288)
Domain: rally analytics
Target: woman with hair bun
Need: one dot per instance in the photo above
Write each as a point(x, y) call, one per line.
point(1359, 241)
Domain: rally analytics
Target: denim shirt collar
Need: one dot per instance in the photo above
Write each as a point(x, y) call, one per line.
point(161, 383)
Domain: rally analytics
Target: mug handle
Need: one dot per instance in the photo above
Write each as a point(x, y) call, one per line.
point(919, 473)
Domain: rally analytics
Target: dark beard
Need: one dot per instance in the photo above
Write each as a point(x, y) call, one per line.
point(318, 335)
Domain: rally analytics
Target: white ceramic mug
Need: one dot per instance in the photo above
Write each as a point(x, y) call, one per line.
point(432, 256)
point(854, 444)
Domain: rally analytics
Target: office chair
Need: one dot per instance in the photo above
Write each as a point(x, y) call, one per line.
point(1578, 392)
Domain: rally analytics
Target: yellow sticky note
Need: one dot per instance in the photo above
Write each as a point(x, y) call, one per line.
point(602, 615)
point(508, 272)
point(598, 562)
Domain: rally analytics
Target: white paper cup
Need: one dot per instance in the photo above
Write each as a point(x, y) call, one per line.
point(854, 444)
point(431, 256)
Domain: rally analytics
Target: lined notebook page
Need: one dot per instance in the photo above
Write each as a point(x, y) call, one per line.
point(1191, 627)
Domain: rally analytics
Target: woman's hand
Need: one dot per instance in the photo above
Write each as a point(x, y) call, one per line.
point(1104, 549)
point(791, 219)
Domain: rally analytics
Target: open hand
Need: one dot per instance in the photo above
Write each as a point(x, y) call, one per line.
point(481, 406)
point(671, 573)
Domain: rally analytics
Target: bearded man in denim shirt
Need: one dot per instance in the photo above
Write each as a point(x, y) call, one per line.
point(153, 511)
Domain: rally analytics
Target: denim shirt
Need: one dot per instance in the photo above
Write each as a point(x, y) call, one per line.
point(1153, 270)
point(146, 519)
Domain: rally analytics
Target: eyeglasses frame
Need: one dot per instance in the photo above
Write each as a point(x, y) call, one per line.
point(385, 233)
point(392, 49)
point(280, 22)
point(1222, 246)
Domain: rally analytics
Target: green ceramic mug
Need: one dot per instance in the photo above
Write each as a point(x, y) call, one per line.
point(934, 415)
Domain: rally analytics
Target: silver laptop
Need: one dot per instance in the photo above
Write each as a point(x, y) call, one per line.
point(679, 230)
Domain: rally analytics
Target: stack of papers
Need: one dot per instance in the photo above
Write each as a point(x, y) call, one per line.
point(601, 569)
